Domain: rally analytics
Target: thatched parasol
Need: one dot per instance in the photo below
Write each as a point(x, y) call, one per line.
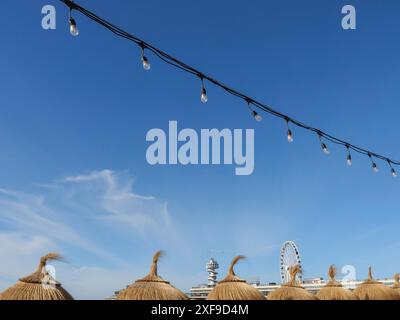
point(152, 287)
point(374, 290)
point(396, 284)
point(234, 288)
point(334, 290)
point(40, 285)
point(291, 290)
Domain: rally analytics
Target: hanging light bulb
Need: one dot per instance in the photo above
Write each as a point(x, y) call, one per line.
point(73, 29)
point(325, 148)
point(203, 96)
point(289, 132)
point(323, 145)
point(393, 172)
point(349, 158)
point(374, 165)
point(145, 61)
point(146, 64)
point(290, 136)
point(254, 113)
point(257, 116)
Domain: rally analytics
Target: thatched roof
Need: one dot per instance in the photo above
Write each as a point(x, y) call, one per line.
point(333, 290)
point(291, 290)
point(152, 287)
point(396, 284)
point(375, 290)
point(234, 288)
point(38, 286)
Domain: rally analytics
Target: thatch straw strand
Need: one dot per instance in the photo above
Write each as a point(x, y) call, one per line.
point(235, 260)
point(154, 265)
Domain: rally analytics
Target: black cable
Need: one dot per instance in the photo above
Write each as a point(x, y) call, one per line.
point(189, 69)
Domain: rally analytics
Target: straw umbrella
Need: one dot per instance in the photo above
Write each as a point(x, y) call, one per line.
point(152, 287)
point(396, 285)
point(334, 290)
point(40, 285)
point(291, 290)
point(234, 288)
point(374, 290)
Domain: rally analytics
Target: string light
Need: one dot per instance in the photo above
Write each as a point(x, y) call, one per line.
point(203, 96)
point(323, 145)
point(289, 132)
point(73, 29)
point(176, 63)
point(374, 165)
point(257, 116)
point(254, 113)
point(392, 170)
point(349, 159)
point(145, 61)
point(325, 148)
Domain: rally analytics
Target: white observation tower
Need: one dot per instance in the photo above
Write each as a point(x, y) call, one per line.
point(211, 268)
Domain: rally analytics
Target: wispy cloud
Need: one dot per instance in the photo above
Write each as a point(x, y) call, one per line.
point(111, 194)
point(19, 253)
point(31, 215)
point(114, 195)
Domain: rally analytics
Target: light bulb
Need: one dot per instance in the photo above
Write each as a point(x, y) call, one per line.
point(375, 167)
point(349, 160)
point(323, 145)
point(325, 148)
point(146, 63)
point(392, 171)
point(290, 136)
point(257, 116)
point(73, 29)
point(204, 97)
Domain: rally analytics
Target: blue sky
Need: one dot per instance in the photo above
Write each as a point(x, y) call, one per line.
point(75, 112)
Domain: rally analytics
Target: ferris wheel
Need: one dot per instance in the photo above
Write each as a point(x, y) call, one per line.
point(290, 257)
